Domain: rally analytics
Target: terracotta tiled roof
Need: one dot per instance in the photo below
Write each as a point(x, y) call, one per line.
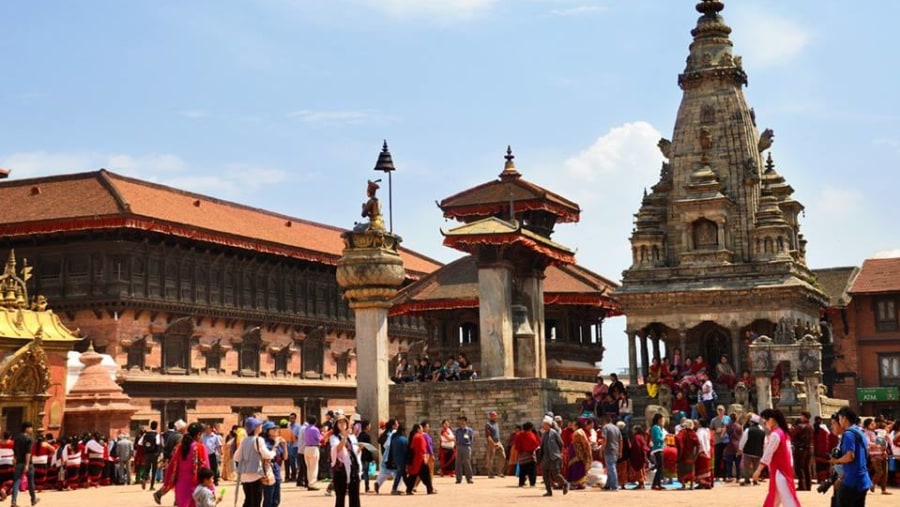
point(104, 200)
point(835, 282)
point(878, 275)
point(494, 197)
point(456, 286)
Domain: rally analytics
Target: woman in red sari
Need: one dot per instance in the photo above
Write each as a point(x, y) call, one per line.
point(703, 466)
point(688, 446)
point(578, 454)
point(448, 450)
point(640, 451)
point(777, 457)
point(181, 473)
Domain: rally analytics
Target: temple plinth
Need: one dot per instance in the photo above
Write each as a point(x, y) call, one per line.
point(370, 272)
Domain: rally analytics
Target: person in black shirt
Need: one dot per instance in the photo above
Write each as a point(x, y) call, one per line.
point(22, 447)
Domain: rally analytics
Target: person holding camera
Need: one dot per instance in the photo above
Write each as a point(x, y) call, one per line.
point(855, 480)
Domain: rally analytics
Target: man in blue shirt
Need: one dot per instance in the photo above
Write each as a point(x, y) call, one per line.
point(856, 481)
point(464, 438)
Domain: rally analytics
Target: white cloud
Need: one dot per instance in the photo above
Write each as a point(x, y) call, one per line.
point(577, 11)
point(334, 117)
point(193, 114)
point(455, 9)
point(887, 254)
point(229, 181)
point(606, 179)
point(764, 38)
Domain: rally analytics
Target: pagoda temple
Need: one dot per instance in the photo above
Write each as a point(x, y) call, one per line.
point(718, 257)
point(506, 228)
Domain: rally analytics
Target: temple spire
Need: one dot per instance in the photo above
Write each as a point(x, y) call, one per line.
point(710, 7)
point(509, 168)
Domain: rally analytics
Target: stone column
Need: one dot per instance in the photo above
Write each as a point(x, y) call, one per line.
point(632, 356)
point(495, 321)
point(682, 343)
point(645, 360)
point(370, 272)
point(763, 392)
point(736, 353)
point(813, 403)
point(533, 293)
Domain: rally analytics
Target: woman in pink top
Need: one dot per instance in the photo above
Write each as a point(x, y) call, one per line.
point(777, 456)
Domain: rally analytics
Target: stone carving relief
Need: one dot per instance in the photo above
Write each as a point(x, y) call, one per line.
point(707, 114)
point(784, 332)
point(665, 147)
point(762, 361)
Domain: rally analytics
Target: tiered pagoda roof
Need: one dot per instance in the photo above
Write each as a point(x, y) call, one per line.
point(455, 286)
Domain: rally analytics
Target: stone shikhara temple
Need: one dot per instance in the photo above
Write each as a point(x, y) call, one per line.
point(718, 257)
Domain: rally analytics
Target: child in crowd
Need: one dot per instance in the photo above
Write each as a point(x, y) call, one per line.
point(204, 494)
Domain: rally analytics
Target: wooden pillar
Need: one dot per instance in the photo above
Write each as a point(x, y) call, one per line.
point(656, 352)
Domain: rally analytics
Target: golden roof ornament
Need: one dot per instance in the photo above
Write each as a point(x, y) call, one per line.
point(13, 289)
point(509, 168)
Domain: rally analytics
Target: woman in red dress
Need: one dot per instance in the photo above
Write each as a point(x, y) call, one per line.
point(448, 450)
point(777, 457)
point(417, 467)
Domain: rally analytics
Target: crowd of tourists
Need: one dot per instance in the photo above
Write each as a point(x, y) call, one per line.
point(190, 460)
point(425, 369)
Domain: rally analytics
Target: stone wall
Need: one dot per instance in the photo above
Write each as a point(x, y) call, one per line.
point(516, 401)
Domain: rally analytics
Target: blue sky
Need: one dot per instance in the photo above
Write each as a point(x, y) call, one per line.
point(283, 105)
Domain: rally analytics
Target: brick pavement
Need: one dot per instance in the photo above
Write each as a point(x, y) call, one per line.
point(483, 492)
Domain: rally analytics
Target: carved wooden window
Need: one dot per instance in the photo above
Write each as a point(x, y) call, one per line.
point(176, 347)
point(468, 333)
point(171, 279)
point(550, 330)
point(706, 234)
point(214, 358)
point(889, 369)
point(282, 361)
point(886, 315)
point(136, 355)
point(229, 287)
point(342, 361)
point(313, 357)
point(248, 355)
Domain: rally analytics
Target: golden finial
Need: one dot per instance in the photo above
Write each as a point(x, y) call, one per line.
point(509, 168)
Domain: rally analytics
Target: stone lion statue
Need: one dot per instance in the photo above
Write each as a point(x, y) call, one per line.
point(664, 397)
point(742, 394)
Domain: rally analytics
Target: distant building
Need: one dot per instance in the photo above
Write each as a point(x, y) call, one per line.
point(871, 348)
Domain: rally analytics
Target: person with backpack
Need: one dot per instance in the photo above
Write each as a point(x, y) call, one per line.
point(151, 443)
point(856, 481)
